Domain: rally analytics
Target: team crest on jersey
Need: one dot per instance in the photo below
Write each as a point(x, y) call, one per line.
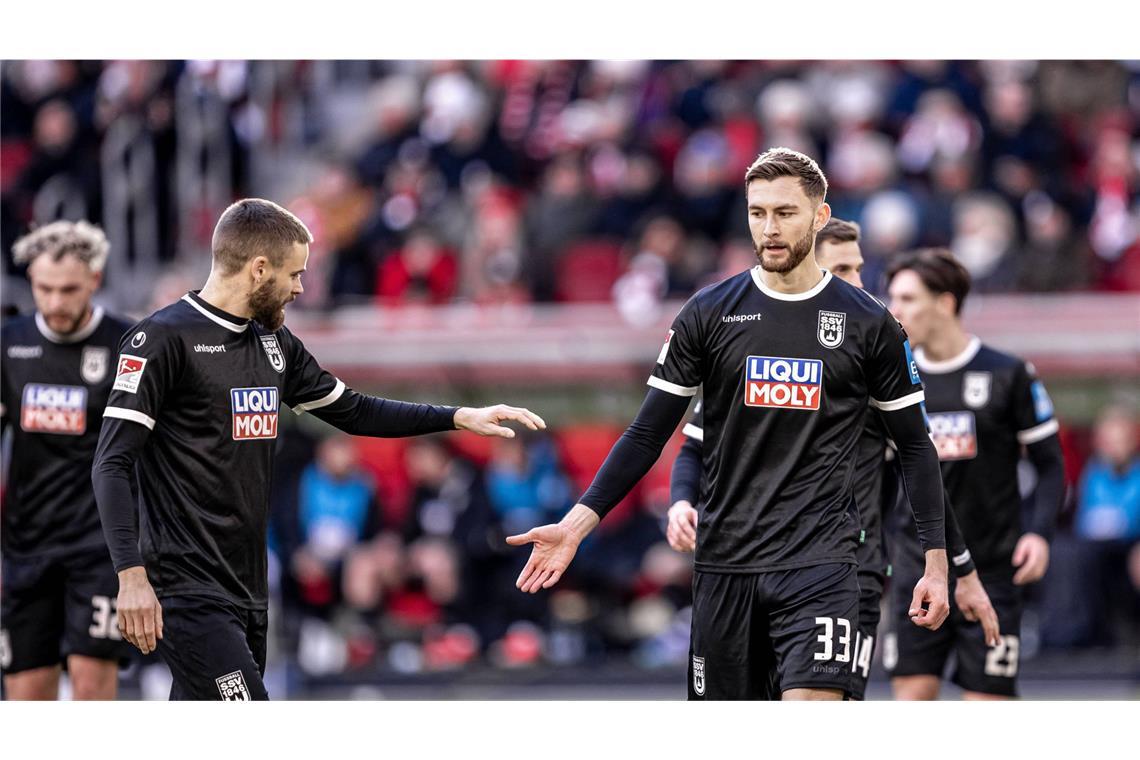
point(254, 413)
point(831, 328)
point(954, 435)
point(699, 675)
point(232, 687)
point(779, 383)
point(58, 409)
point(976, 389)
point(273, 351)
point(129, 374)
point(93, 363)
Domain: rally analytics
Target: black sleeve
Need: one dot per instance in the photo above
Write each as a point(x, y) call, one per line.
point(1047, 459)
point(120, 442)
point(685, 481)
point(636, 450)
point(921, 476)
point(960, 560)
point(358, 414)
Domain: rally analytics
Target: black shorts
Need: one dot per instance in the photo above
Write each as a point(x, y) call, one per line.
point(911, 651)
point(754, 636)
point(53, 608)
point(215, 649)
point(870, 595)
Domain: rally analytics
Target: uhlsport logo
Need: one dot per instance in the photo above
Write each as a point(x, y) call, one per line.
point(232, 687)
point(254, 413)
point(273, 351)
point(780, 383)
point(831, 326)
point(954, 435)
point(129, 374)
point(699, 675)
point(59, 409)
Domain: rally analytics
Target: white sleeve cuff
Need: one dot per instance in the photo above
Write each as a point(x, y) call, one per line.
point(898, 403)
point(676, 390)
point(1038, 433)
point(129, 414)
point(693, 431)
point(332, 396)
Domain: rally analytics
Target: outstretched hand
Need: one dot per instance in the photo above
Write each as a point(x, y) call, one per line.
point(485, 420)
point(553, 549)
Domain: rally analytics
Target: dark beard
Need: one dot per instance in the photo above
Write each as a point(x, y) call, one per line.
point(797, 252)
point(268, 311)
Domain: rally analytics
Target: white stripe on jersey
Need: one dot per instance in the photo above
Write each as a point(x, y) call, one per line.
point(214, 318)
point(129, 414)
point(898, 403)
point(1038, 433)
point(693, 431)
point(676, 390)
point(333, 395)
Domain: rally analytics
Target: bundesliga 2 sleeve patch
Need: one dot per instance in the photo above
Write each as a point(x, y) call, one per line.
point(129, 374)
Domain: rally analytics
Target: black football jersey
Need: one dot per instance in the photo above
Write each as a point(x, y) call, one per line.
point(53, 388)
point(210, 387)
point(787, 382)
point(982, 407)
point(868, 491)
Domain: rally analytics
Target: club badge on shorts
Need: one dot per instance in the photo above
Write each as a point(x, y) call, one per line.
point(273, 351)
point(93, 363)
point(232, 687)
point(831, 328)
point(699, 675)
point(976, 389)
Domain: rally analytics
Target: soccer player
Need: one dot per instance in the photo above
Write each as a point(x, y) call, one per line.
point(984, 407)
point(837, 251)
point(790, 357)
point(58, 583)
point(198, 387)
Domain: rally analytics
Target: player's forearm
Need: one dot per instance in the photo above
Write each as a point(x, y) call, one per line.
point(359, 414)
point(936, 564)
point(1047, 459)
point(921, 477)
point(636, 451)
point(685, 480)
point(119, 444)
point(960, 558)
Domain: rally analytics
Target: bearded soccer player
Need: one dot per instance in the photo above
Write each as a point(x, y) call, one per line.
point(59, 587)
point(837, 251)
point(985, 407)
point(790, 358)
point(195, 404)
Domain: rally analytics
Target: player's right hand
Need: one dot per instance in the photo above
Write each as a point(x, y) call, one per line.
point(932, 592)
point(681, 532)
point(140, 614)
point(974, 602)
point(554, 547)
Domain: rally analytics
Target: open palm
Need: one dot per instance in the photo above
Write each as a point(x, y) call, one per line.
point(554, 547)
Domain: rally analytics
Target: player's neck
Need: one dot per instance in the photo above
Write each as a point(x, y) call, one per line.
point(803, 278)
point(946, 344)
point(227, 295)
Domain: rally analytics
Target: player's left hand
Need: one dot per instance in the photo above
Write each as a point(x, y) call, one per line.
point(554, 547)
point(485, 420)
point(1031, 558)
point(932, 590)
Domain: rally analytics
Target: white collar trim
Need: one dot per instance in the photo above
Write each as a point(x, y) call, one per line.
point(214, 317)
point(819, 286)
point(91, 326)
point(948, 365)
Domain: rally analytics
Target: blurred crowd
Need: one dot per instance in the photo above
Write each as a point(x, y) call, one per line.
point(504, 181)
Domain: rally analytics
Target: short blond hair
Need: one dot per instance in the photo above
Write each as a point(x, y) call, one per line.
point(83, 240)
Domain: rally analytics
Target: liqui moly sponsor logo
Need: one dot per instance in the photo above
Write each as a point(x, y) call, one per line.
point(59, 409)
point(781, 383)
point(254, 413)
point(954, 435)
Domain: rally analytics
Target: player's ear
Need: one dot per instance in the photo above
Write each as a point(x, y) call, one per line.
point(96, 280)
point(822, 216)
point(257, 268)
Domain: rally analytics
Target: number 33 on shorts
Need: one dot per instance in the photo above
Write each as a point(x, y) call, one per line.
point(835, 638)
